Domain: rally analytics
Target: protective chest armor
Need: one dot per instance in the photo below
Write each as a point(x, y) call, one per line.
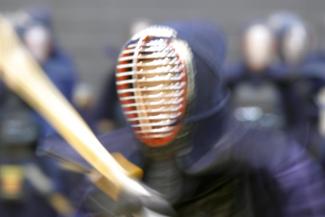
point(258, 103)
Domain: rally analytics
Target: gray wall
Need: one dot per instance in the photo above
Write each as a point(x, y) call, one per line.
point(85, 27)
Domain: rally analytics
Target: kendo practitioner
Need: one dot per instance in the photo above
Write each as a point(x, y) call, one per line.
point(254, 81)
point(304, 71)
point(36, 32)
point(190, 148)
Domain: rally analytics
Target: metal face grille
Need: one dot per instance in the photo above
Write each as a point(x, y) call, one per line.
point(152, 88)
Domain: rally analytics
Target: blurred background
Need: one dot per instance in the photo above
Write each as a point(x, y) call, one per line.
point(274, 71)
point(88, 30)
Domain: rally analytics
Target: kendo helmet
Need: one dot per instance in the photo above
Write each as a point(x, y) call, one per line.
point(292, 35)
point(168, 81)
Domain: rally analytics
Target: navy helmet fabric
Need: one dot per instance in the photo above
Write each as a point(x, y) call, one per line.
point(208, 45)
point(281, 21)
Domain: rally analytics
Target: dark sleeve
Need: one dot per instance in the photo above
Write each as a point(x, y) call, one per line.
point(302, 181)
point(299, 178)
